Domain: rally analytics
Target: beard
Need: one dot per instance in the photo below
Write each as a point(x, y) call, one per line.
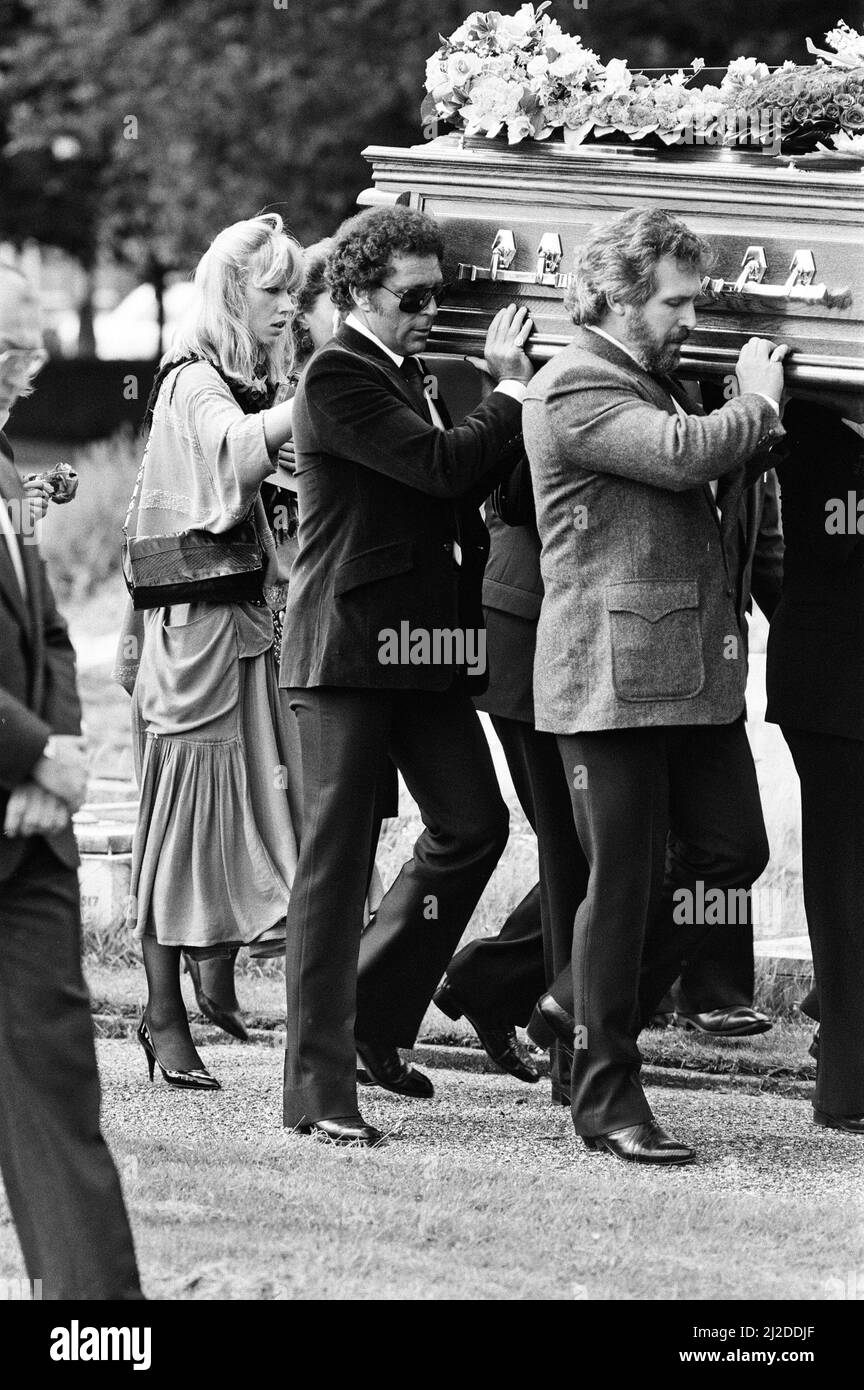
point(656, 354)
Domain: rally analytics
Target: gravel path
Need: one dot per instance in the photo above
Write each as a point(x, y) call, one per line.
point(745, 1143)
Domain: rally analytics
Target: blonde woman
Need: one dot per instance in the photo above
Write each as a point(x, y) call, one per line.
point(215, 847)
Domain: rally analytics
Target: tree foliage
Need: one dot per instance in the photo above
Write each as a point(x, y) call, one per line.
point(141, 128)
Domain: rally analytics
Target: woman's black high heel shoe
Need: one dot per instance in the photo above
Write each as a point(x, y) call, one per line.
point(190, 1080)
point(228, 1020)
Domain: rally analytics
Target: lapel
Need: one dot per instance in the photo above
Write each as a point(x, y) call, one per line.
point(663, 393)
point(358, 343)
point(11, 489)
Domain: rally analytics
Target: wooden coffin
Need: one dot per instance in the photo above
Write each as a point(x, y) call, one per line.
point(790, 245)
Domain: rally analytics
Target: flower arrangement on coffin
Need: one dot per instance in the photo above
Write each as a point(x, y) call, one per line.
point(498, 72)
point(811, 104)
point(632, 104)
point(523, 75)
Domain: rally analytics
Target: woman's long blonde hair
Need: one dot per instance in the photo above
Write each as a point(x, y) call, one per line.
point(258, 252)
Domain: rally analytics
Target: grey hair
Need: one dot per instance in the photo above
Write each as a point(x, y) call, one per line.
point(619, 258)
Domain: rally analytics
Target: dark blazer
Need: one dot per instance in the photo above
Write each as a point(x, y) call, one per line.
point(513, 587)
point(815, 667)
point(383, 495)
point(37, 676)
point(512, 595)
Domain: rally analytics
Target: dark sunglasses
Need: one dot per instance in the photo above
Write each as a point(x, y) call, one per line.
point(415, 300)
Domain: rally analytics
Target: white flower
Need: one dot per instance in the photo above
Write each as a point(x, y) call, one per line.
point(493, 96)
point(745, 71)
point(537, 67)
point(698, 64)
point(518, 128)
point(460, 35)
point(438, 84)
point(847, 41)
point(571, 59)
point(512, 30)
point(617, 77)
point(461, 67)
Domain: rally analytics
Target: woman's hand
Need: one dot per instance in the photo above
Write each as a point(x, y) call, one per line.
point(287, 458)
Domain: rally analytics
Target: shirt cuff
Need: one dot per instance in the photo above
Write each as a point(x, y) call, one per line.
point(508, 386)
point(770, 399)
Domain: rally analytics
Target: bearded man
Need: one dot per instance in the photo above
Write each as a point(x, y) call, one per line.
point(641, 664)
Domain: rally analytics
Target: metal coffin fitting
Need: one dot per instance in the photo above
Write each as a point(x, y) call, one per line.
point(503, 254)
point(797, 285)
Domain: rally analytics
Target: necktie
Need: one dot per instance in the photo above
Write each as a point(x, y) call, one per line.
point(413, 374)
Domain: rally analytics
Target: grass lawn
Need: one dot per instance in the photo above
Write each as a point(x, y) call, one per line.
point(483, 1194)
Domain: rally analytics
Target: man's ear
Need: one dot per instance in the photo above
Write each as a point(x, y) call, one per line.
point(360, 298)
point(614, 305)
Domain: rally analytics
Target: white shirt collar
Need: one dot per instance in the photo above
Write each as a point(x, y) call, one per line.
point(353, 322)
point(592, 328)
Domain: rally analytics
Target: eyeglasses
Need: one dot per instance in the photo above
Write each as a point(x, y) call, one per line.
point(414, 301)
point(22, 362)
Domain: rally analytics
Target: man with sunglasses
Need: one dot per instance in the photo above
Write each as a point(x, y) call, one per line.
point(385, 645)
point(61, 1183)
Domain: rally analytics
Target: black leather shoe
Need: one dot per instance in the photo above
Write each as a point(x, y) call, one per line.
point(500, 1044)
point(850, 1124)
point(346, 1130)
point(550, 1023)
point(645, 1143)
point(382, 1066)
point(726, 1023)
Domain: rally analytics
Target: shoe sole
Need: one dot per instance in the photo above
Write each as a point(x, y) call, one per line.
point(332, 1143)
point(595, 1146)
point(365, 1078)
point(823, 1121)
point(750, 1030)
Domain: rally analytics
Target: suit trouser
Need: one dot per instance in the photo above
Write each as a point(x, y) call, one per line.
point(62, 1186)
point(437, 742)
point(658, 810)
point(503, 976)
point(831, 772)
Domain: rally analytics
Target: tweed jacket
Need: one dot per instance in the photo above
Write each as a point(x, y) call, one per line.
point(38, 696)
point(384, 497)
point(513, 587)
point(639, 623)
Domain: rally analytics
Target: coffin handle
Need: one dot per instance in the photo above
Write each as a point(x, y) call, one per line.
point(798, 286)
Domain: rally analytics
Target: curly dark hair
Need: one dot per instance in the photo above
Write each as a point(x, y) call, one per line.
point(314, 264)
point(365, 245)
point(314, 283)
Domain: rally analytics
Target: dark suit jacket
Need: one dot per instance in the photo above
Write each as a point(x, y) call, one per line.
point(815, 668)
point(383, 494)
point(37, 676)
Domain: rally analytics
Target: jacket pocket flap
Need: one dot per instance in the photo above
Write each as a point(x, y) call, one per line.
point(508, 599)
point(369, 565)
point(652, 599)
